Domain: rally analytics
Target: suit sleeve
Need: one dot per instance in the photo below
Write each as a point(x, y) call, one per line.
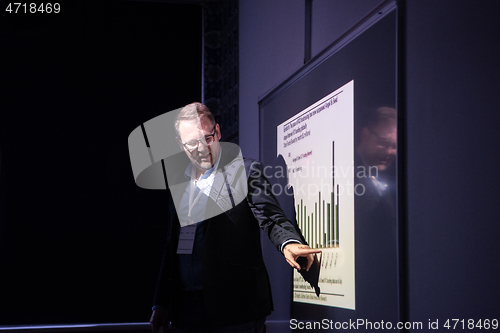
point(266, 209)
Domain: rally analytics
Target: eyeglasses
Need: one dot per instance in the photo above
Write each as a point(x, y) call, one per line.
point(206, 140)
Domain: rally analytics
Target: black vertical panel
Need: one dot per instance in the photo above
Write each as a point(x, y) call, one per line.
point(79, 241)
point(402, 166)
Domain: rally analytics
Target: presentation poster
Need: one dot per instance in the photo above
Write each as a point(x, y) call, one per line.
point(318, 147)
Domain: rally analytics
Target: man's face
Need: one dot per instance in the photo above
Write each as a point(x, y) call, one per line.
point(203, 156)
point(378, 145)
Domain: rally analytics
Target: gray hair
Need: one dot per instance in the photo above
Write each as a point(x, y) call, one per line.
point(193, 111)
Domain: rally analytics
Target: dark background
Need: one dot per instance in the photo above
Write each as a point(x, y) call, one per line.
point(79, 241)
point(452, 158)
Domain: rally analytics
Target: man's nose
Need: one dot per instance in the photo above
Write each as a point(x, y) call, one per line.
point(202, 146)
point(391, 151)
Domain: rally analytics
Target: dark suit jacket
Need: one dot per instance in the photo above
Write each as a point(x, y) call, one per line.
point(235, 281)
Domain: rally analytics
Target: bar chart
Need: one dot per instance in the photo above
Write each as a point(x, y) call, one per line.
point(320, 224)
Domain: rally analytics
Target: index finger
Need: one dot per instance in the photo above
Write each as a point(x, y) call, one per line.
point(308, 250)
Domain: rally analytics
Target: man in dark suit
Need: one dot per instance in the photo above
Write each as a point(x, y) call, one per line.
point(213, 277)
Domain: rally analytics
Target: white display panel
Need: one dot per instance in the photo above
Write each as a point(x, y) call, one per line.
point(317, 145)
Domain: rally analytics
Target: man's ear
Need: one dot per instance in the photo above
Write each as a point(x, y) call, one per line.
point(217, 131)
